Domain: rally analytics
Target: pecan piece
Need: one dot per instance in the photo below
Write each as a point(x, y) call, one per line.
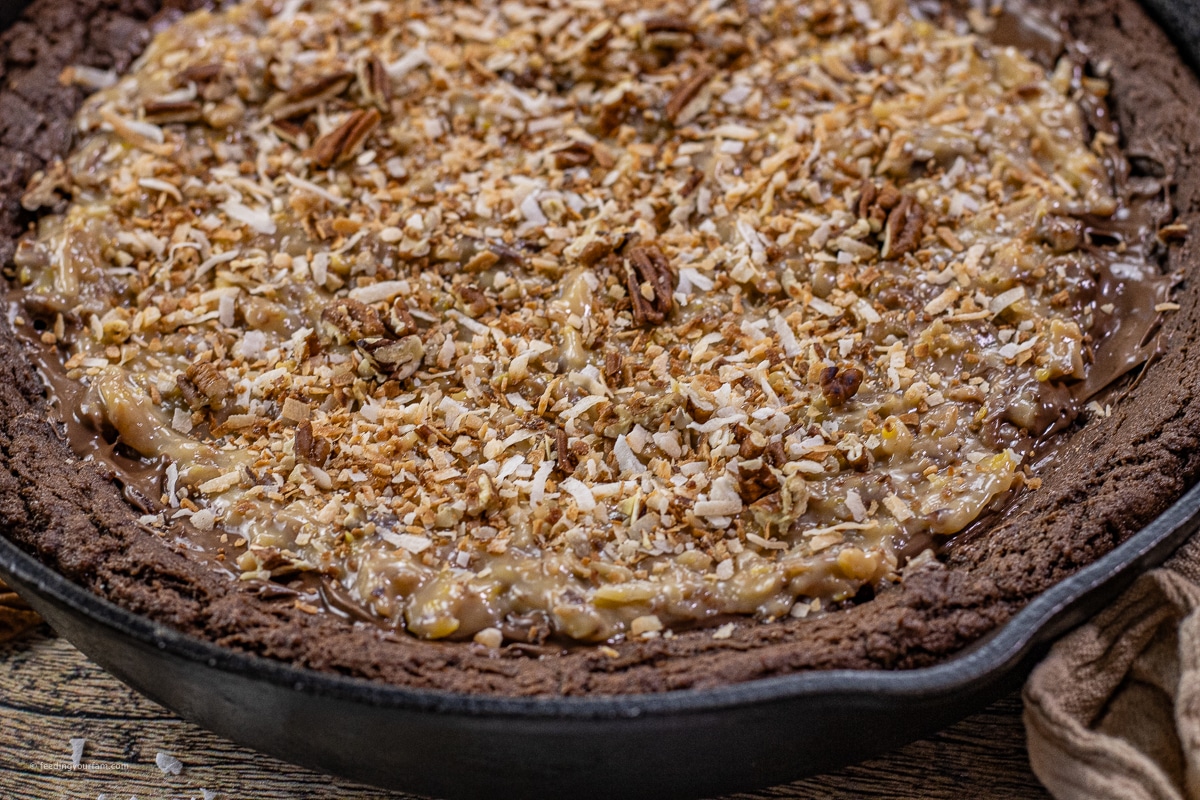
point(210, 383)
point(480, 493)
point(839, 385)
point(308, 446)
point(308, 96)
point(756, 480)
point(612, 364)
point(345, 141)
point(399, 358)
point(687, 91)
point(374, 82)
point(400, 321)
point(577, 154)
point(874, 203)
point(166, 112)
point(905, 223)
point(594, 251)
point(47, 188)
point(199, 74)
point(1061, 234)
point(650, 282)
point(567, 462)
point(474, 302)
point(291, 132)
point(673, 23)
point(347, 320)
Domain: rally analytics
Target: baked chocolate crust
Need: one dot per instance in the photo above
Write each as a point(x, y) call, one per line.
point(1113, 477)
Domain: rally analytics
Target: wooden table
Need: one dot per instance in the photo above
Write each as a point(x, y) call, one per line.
point(50, 693)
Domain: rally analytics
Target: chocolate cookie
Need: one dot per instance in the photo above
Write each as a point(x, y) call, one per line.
point(1113, 476)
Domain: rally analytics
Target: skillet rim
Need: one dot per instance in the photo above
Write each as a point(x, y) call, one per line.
point(999, 653)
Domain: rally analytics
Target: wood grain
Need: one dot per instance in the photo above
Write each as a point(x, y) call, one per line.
point(50, 693)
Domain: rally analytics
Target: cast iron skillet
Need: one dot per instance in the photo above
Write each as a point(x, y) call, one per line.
point(674, 744)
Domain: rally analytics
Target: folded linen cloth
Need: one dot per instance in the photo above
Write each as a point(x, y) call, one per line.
point(1114, 709)
point(15, 616)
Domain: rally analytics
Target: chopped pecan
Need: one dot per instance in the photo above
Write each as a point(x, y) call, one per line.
point(577, 154)
point(191, 395)
point(650, 282)
point(669, 33)
point(309, 447)
point(276, 562)
point(612, 364)
point(839, 385)
point(775, 454)
point(374, 82)
point(687, 91)
point(829, 19)
point(874, 203)
point(210, 383)
point(308, 96)
point(756, 479)
point(347, 320)
point(1061, 234)
point(399, 358)
point(694, 179)
point(345, 141)
point(481, 495)
point(905, 224)
point(199, 74)
point(47, 188)
point(474, 302)
point(611, 115)
point(566, 458)
point(674, 23)
point(291, 132)
point(162, 112)
point(400, 321)
point(594, 251)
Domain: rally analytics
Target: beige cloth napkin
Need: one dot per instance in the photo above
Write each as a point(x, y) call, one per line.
point(15, 616)
point(1114, 709)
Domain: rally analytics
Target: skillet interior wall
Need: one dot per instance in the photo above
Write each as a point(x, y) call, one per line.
point(1116, 474)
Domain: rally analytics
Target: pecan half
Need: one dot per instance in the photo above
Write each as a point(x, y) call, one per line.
point(687, 91)
point(905, 223)
point(839, 385)
point(166, 112)
point(308, 96)
point(345, 141)
point(347, 320)
point(650, 282)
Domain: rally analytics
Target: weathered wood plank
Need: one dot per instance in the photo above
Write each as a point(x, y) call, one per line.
point(50, 693)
